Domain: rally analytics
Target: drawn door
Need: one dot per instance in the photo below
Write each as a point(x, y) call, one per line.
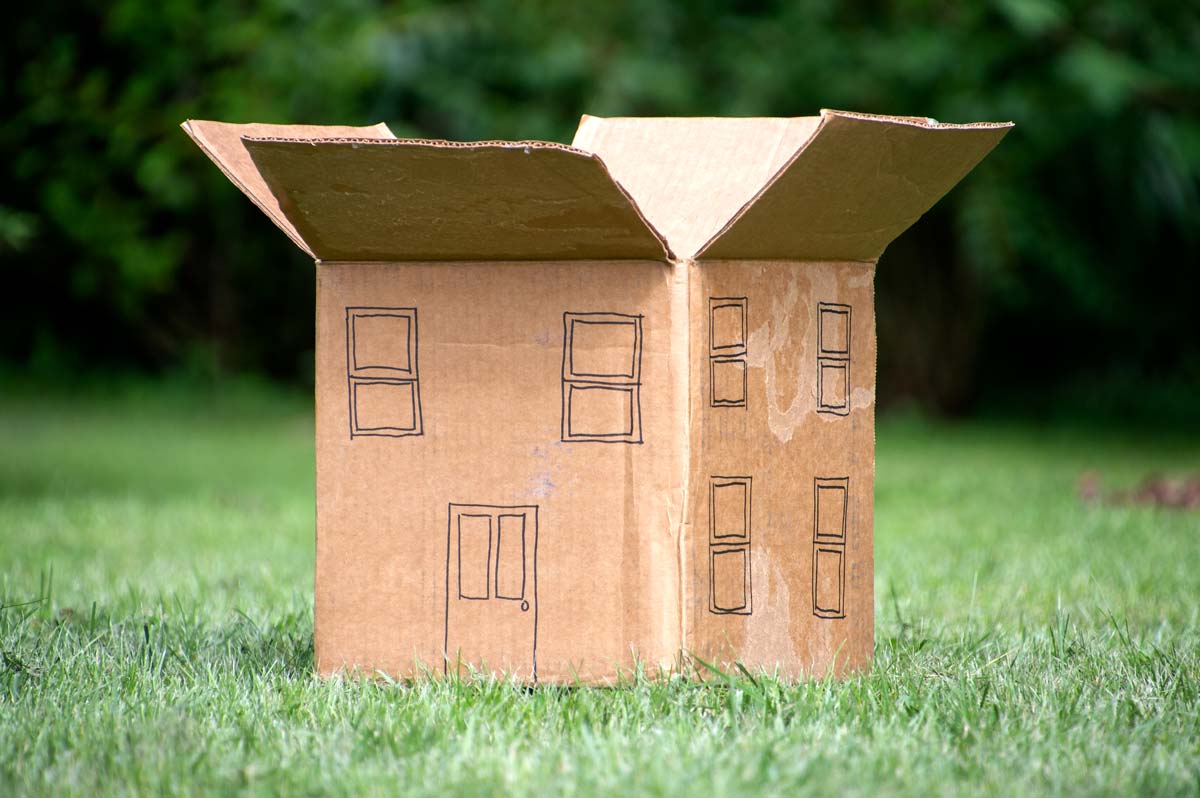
point(491, 589)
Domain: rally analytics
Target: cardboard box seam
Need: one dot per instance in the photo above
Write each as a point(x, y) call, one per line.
point(683, 295)
point(770, 181)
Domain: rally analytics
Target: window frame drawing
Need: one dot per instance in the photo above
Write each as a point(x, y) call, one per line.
point(720, 545)
point(830, 544)
point(626, 383)
point(724, 354)
point(831, 360)
point(382, 374)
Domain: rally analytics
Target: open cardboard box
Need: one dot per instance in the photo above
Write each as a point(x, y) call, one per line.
point(580, 408)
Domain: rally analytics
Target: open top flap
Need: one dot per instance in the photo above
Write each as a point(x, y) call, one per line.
point(418, 200)
point(222, 142)
point(858, 183)
point(689, 176)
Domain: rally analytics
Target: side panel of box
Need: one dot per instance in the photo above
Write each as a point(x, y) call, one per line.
point(499, 468)
point(779, 567)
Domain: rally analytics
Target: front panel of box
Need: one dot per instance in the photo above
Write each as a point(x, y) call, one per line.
point(498, 468)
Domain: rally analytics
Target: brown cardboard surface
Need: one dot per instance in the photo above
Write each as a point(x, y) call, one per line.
point(762, 451)
point(488, 357)
point(691, 175)
point(856, 184)
point(546, 446)
point(222, 142)
point(411, 200)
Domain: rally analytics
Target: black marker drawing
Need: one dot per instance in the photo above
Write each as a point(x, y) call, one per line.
point(382, 384)
point(491, 587)
point(833, 359)
point(730, 510)
point(473, 569)
point(831, 505)
point(727, 351)
point(602, 378)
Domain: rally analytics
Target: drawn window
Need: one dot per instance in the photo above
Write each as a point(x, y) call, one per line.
point(829, 570)
point(602, 378)
point(381, 372)
point(729, 522)
point(727, 351)
point(830, 517)
point(833, 359)
point(730, 508)
point(730, 591)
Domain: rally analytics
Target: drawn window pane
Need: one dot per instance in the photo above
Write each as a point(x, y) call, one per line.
point(382, 341)
point(731, 508)
point(600, 411)
point(728, 382)
point(833, 329)
point(833, 385)
point(510, 557)
point(727, 324)
point(828, 582)
point(603, 349)
point(381, 406)
point(729, 579)
point(474, 555)
point(831, 510)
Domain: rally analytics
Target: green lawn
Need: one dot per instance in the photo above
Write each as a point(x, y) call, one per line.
point(156, 557)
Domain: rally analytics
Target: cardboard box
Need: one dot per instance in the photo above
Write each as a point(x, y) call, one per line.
point(580, 408)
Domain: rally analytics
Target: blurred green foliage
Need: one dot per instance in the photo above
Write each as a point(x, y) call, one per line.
point(1072, 251)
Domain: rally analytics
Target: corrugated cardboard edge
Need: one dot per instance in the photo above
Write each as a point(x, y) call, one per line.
point(222, 143)
point(425, 142)
point(829, 118)
point(441, 144)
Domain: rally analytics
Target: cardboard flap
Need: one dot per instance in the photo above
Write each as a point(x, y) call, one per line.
point(858, 183)
point(691, 175)
point(415, 200)
point(222, 143)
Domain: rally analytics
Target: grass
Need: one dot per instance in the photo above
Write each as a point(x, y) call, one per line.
point(156, 556)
